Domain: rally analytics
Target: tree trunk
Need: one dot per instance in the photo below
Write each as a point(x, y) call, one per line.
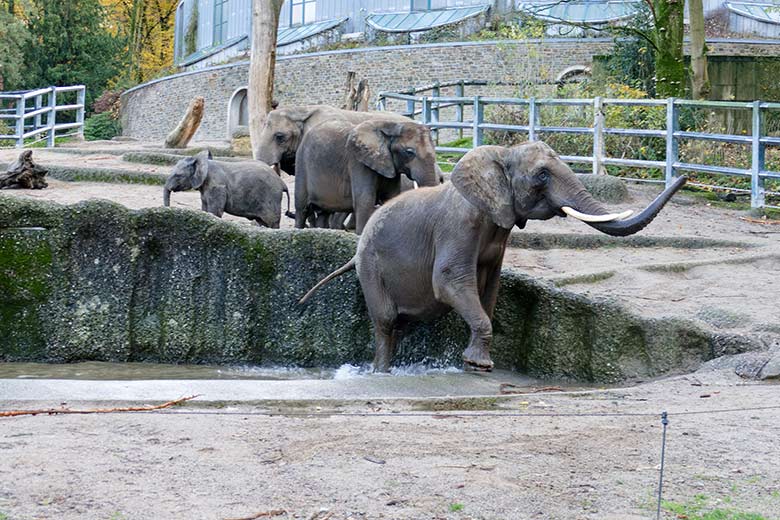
point(24, 174)
point(182, 134)
point(669, 61)
point(700, 81)
point(356, 97)
point(265, 24)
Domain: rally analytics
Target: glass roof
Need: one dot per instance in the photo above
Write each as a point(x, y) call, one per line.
point(582, 11)
point(422, 20)
point(764, 12)
point(288, 35)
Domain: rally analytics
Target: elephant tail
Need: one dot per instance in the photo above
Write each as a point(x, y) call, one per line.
point(338, 272)
point(288, 213)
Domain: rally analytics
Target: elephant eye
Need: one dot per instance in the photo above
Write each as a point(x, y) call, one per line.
point(409, 152)
point(280, 137)
point(543, 176)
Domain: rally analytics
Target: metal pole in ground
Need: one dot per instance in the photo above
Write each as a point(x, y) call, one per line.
point(665, 422)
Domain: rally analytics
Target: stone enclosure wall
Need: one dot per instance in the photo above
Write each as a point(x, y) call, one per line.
point(151, 110)
point(96, 281)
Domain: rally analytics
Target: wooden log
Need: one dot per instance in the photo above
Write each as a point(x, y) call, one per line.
point(183, 133)
point(356, 96)
point(24, 174)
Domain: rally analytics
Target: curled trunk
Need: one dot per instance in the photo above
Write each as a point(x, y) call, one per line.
point(621, 228)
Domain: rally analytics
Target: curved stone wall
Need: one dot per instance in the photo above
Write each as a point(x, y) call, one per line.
point(151, 110)
point(96, 281)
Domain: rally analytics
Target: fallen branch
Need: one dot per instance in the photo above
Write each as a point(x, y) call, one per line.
point(59, 411)
point(264, 514)
point(761, 221)
point(504, 388)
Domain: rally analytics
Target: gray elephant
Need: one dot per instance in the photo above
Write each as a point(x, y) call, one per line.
point(285, 128)
point(246, 189)
point(435, 249)
point(343, 167)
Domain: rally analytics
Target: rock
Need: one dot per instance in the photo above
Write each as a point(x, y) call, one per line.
point(771, 370)
point(605, 188)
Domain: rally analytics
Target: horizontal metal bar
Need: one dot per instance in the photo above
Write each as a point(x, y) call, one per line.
point(635, 102)
point(712, 104)
point(455, 100)
point(402, 97)
point(9, 136)
point(635, 132)
point(34, 93)
point(11, 96)
point(71, 88)
point(564, 129)
point(506, 128)
point(770, 105)
point(767, 174)
point(450, 149)
point(62, 108)
point(639, 163)
point(572, 101)
point(703, 168)
point(503, 101)
point(450, 125)
point(36, 132)
point(770, 140)
point(34, 113)
point(65, 126)
point(576, 158)
point(723, 138)
point(9, 117)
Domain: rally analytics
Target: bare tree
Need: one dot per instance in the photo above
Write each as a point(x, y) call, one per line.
point(265, 26)
point(700, 81)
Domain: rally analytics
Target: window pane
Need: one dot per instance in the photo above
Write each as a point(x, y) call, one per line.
point(297, 14)
point(311, 12)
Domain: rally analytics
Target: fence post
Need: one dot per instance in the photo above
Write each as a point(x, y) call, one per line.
point(382, 103)
point(426, 110)
point(38, 105)
point(410, 106)
point(598, 135)
point(478, 119)
point(459, 92)
point(20, 106)
point(81, 99)
point(672, 146)
point(757, 159)
point(436, 93)
point(51, 117)
point(533, 119)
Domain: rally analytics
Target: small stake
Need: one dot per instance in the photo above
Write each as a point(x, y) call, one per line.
point(665, 422)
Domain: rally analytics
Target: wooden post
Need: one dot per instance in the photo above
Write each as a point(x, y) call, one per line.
point(189, 124)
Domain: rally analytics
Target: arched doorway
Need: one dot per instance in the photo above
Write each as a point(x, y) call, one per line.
point(238, 111)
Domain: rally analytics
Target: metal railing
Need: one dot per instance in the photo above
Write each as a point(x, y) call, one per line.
point(27, 109)
point(430, 107)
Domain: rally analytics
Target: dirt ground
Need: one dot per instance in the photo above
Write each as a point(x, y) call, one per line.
point(398, 462)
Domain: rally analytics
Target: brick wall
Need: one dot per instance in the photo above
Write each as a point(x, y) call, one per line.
point(151, 110)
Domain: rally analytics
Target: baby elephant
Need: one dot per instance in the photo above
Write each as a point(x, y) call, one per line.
point(246, 189)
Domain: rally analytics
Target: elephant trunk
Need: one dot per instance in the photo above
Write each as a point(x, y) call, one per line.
point(615, 225)
point(166, 197)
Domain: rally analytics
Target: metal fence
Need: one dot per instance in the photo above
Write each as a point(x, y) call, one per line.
point(26, 110)
point(428, 109)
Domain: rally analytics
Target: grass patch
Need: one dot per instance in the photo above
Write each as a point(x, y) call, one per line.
point(697, 509)
point(584, 278)
point(459, 404)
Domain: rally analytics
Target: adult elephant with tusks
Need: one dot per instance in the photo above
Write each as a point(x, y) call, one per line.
point(435, 249)
point(247, 189)
point(344, 167)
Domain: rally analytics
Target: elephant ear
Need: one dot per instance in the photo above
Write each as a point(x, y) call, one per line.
point(480, 177)
point(369, 142)
point(201, 169)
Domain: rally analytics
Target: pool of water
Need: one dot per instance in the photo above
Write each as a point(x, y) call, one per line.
point(101, 371)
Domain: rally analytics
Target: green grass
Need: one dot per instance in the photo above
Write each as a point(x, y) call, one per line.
point(454, 508)
point(697, 509)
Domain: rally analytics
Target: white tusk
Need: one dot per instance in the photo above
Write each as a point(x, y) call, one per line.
point(596, 218)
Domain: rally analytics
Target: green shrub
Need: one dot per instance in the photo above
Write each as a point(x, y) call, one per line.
point(101, 127)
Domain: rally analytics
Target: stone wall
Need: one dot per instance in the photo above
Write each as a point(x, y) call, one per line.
point(96, 281)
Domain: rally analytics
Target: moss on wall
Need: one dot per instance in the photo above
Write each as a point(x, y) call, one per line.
point(95, 281)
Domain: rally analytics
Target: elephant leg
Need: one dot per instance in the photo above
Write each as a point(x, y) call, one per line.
point(350, 223)
point(302, 207)
point(489, 281)
point(459, 291)
point(213, 200)
point(386, 336)
point(337, 220)
point(323, 219)
point(384, 316)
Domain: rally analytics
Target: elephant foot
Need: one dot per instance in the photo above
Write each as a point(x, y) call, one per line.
point(477, 360)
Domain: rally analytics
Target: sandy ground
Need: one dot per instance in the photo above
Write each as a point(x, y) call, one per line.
point(397, 462)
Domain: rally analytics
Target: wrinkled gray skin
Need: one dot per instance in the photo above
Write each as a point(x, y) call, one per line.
point(285, 128)
point(342, 167)
point(435, 249)
point(339, 219)
point(245, 189)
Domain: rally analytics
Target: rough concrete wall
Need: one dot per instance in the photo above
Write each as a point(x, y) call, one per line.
point(95, 281)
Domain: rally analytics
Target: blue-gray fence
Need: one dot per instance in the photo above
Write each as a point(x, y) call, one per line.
point(428, 109)
point(33, 114)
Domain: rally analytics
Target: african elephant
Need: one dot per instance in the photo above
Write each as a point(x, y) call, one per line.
point(246, 189)
point(344, 167)
point(285, 128)
point(435, 249)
